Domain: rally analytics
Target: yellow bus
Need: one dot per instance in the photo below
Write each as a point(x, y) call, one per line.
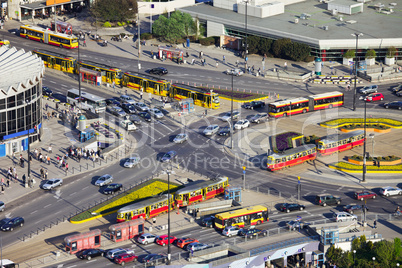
point(48, 37)
point(242, 217)
point(109, 74)
point(148, 83)
point(5, 43)
point(202, 97)
point(57, 61)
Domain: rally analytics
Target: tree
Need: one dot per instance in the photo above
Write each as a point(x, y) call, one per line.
point(296, 51)
point(391, 52)
point(114, 10)
point(350, 54)
point(278, 47)
point(252, 43)
point(265, 45)
point(178, 26)
point(370, 54)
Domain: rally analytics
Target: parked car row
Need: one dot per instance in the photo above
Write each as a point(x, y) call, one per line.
point(186, 243)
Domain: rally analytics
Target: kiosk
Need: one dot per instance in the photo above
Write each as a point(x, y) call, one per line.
point(126, 230)
point(77, 242)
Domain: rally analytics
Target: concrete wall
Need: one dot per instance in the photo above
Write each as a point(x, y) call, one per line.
point(227, 4)
point(262, 10)
point(215, 29)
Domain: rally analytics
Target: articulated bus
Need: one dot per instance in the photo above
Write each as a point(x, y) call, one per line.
point(306, 104)
point(89, 101)
point(109, 74)
point(201, 97)
point(57, 61)
point(242, 217)
point(292, 157)
point(200, 191)
point(145, 209)
point(48, 37)
point(340, 142)
point(148, 83)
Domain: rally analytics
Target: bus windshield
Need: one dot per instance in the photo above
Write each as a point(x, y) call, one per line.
point(216, 99)
point(74, 40)
point(321, 146)
point(101, 103)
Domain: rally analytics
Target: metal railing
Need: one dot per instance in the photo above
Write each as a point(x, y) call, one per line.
point(284, 244)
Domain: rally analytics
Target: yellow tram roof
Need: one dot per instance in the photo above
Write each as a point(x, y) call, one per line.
point(53, 54)
point(340, 136)
point(292, 151)
point(99, 65)
point(197, 185)
point(196, 89)
point(146, 76)
point(40, 29)
point(143, 203)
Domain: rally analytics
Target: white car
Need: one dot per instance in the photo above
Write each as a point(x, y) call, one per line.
point(127, 99)
point(180, 138)
point(210, 130)
point(387, 191)
point(156, 113)
point(236, 72)
point(231, 231)
point(128, 125)
point(226, 117)
point(103, 180)
point(52, 183)
point(242, 124)
point(131, 162)
point(344, 216)
point(140, 106)
point(111, 254)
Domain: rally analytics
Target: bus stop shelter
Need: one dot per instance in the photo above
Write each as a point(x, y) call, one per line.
point(174, 54)
point(77, 242)
point(90, 76)
point(126, 230)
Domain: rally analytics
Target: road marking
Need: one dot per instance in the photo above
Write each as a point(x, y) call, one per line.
point(90, 261)
point(121, 171)
point(34, 211)
point(47, 206)
point(53, 82)
point(72, 266)
point(206, 230)
point(64, 85)
point(73, 193)
point(60, 265)
point(36, 222)
point(85, 187)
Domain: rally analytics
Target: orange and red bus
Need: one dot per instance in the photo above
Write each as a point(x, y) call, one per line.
point(242, 217)
point(305, 104)
point(145, 209)
point(48, 37)
point(340, 142)
point(200, 191)
point(292, 157)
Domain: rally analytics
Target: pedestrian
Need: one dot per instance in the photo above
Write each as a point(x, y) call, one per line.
point(47, 106)
point(375, 224)
point(2, 189)
point(48, 160)
point(8, 183)
point(141, 94)
point(24, 179)
point(49, 150)
point(153, 220)
point(285, 66)
point(85, 43)
point(216, 64)
point(16, 177)
point(192, 252)
point(237, 63)
point(46, 174)
point(252, 69)
point(224, 59)
point(126, 92)
point(192, 62)
point(14, 171)
point(66, 167)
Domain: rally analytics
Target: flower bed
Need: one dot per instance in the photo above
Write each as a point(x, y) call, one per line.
point(349, 167)
point(386, 161)
point(283, 141)
point(341, 122)
point(137, 193)
point(227, 94)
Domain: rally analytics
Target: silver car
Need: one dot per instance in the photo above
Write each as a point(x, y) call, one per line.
point(132, 162)
point(259, 118)
point(156, 113)
point(210, 130)
point(2, 206)
point(103, 180)
point(182, 137)
point(52, 183)
point(146, 238)
point(368, 89)
point(111, 254)
point(140, 106)
point(227, 116)
point(127, 99)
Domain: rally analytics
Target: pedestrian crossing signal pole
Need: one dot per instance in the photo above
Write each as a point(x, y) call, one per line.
point(244, 177)
point(298, 188)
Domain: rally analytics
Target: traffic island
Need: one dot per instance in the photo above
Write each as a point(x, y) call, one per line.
point(358, 123)
point(111, 205)
point(353, 168)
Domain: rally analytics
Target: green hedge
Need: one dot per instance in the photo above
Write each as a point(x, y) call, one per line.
point(208, 41)
point(379, 158)
point(352, 167)
point(237, 95)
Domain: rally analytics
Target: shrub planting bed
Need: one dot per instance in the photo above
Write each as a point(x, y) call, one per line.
point(370, 122)
point(283, 141)
point(349, 167)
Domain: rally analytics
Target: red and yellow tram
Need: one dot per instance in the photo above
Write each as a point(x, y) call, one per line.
point(200, 191)
point(292, 157)
point(145, 209)
point(340, 142)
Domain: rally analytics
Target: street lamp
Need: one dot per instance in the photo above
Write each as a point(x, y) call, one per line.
point(373, 261)
point(139, 39)
point(364, 142)
point(231, 119)
point(355, 92)
point(354, 253)
point(245, 50)
point(168, 254)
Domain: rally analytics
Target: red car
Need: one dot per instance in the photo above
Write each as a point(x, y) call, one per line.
point(374, 97)
point(365, 195)
point(163, 240)
point(125, 258)
point(182, 242)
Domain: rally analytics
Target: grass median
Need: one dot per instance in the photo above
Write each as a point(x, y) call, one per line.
point(353, 168)
point(370, 122)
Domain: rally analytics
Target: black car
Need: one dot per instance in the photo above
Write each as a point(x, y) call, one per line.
point(254, 105)
point(128, 108)
point(4, 221)
point(112, 102)
point(351, 208)
point(88, 254)
point(394, 105)
point(327, 199)
point(154, 259)
point(250, 233)
point(225, 131)
point(135, 119)
point(286, 207)
point(46, 91)
point(158, 71)
point(208, 221)
point(146, 116)
point(13, 223)
point(169, 156)
point(112, 188)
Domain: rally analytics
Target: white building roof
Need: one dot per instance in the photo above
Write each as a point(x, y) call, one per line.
point(18, 70)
